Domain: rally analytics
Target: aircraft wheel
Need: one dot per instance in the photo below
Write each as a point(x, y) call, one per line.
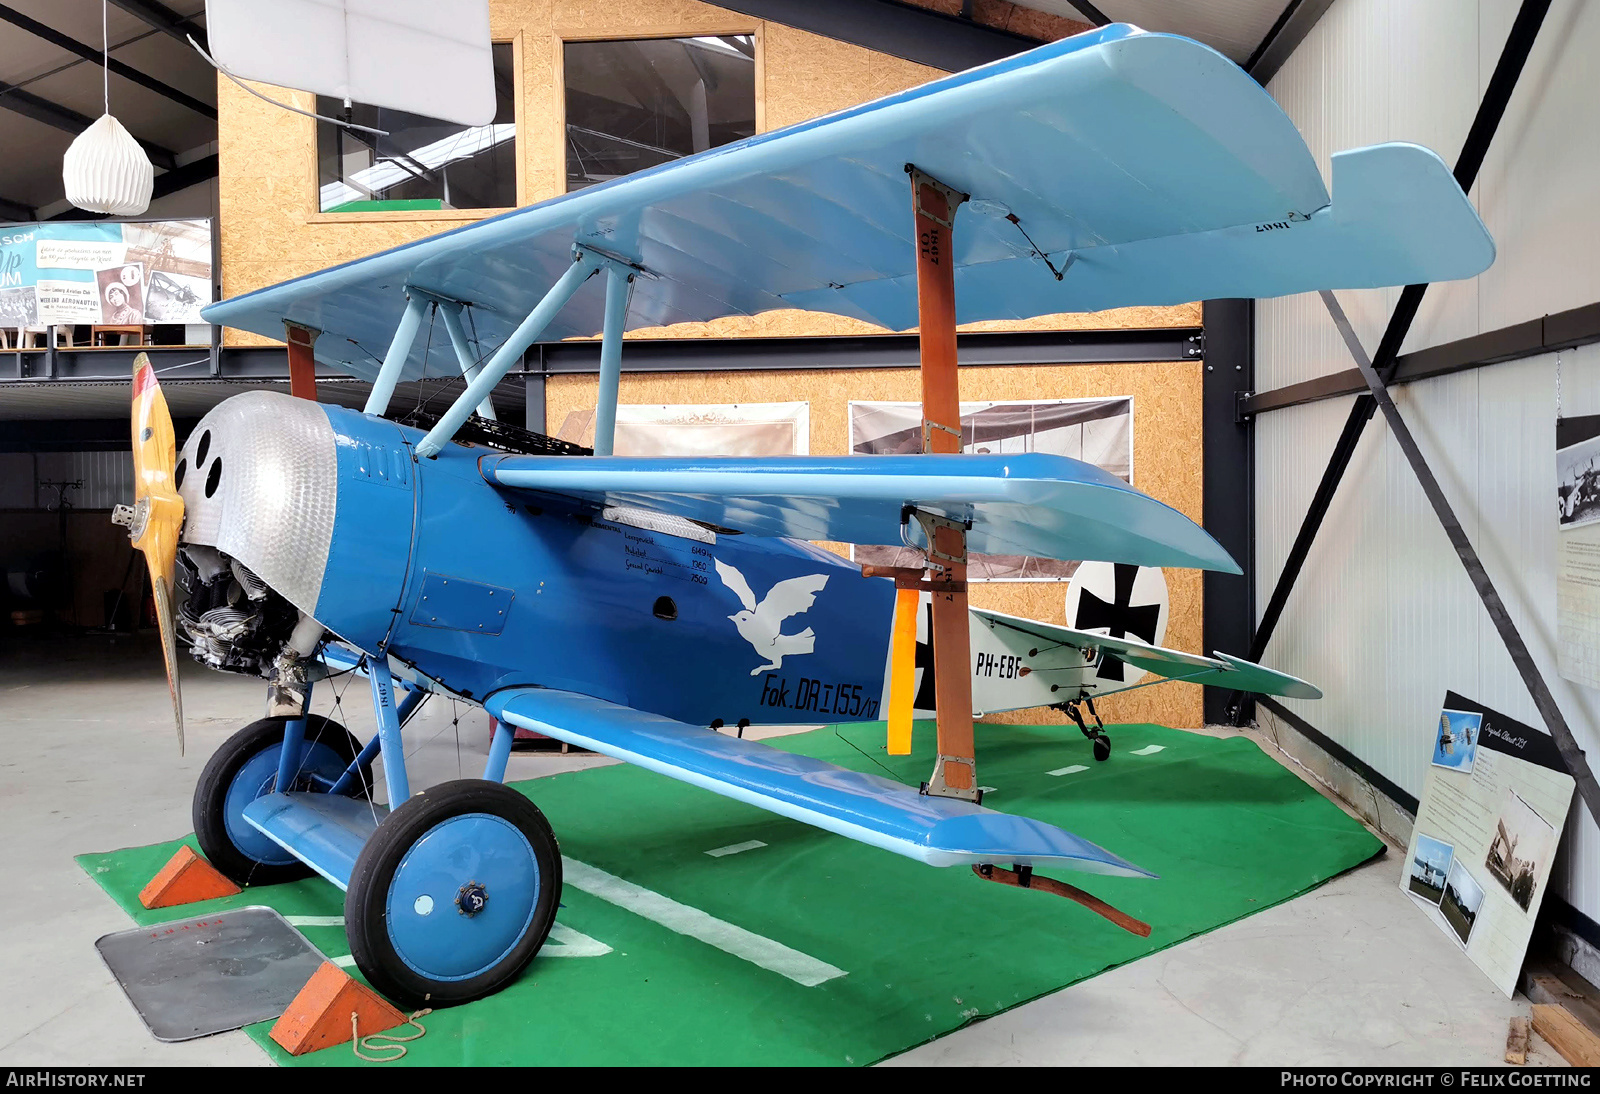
point(1102, 747)
point(245, 768)
point(453, 894)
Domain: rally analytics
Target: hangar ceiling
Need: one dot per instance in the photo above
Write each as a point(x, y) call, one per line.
point(165, 93)
point(1232, 27)
point(160, 89)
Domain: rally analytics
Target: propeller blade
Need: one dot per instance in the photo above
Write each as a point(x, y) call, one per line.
point(157, 517)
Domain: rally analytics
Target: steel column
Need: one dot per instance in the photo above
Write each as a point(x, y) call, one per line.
point(1228, 486)
point(394, 362)
point(619, 287)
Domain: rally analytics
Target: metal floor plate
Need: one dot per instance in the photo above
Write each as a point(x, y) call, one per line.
point(195, 977)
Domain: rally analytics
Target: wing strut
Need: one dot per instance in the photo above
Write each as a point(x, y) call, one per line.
point(619, 287)
point(586, 261)
point(935, 204)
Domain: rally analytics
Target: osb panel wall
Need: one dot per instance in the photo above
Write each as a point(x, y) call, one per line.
point(1166, 465)
point(271, 229)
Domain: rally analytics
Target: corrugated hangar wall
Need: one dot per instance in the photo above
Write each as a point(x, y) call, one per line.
point(1384, 618)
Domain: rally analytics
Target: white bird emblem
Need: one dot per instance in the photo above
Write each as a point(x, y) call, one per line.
point(761, 625)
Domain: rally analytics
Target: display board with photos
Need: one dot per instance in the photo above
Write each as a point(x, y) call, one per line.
point(105, 273)
point(1097, 431)
point(700, 429)
point(1488, 824)
point(1578, 548)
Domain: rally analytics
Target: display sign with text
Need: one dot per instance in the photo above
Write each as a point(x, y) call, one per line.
point(1493, 805)
point(115, 273)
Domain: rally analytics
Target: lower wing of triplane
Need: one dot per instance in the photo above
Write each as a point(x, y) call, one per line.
point(874, 810)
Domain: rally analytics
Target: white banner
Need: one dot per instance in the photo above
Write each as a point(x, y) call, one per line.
point(79, 254)
point(69, 302)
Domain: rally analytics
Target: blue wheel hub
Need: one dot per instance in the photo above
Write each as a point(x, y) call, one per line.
point(471, 899)
point(441, 920)
point(255, 778)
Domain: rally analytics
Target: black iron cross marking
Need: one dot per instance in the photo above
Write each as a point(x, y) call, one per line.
point(926, 689)
point(1119, 617)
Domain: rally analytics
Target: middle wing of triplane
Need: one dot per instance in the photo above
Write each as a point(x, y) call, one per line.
point(1030, 503)
point(874, 810)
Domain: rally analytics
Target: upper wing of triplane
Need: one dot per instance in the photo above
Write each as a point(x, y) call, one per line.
point(1029, 503)
point(1148, 166)
point(868, 808)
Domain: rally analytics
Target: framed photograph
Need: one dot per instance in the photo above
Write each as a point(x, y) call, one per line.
point(1578, 472)
point(1463, 899)
point(1522, 845)
point(1456, 744)
point(1430, 866)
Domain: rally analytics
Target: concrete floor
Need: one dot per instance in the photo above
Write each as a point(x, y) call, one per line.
point(1349, 974)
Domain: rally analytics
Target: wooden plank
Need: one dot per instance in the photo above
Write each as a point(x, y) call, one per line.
point(936, 314)
point(1517, 1042)
point(302, 362)
point(1577, 1043)
point(1551, 981)
point(934, 207)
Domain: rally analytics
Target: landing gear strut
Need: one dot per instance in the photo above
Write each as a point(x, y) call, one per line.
point(1097, 735)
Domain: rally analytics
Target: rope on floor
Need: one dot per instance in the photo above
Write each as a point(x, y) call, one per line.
point(385, 1042)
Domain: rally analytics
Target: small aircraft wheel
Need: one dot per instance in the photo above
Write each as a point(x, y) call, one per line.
point(245, 768)
point(1102, 747)
point(453, 894)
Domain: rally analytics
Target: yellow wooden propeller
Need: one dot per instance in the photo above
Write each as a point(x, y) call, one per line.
point(157, 514)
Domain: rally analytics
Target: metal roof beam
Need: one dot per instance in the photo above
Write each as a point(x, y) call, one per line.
point(29, 105)
point(90, 53)
point(158, 15)
point(917, 34)
point(16, 210)
point(1291, 28)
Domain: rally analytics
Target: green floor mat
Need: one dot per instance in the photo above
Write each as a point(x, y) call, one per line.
point(922, 951)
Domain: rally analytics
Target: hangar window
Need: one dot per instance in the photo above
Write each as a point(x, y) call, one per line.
point(639, 103)
point(423, 163)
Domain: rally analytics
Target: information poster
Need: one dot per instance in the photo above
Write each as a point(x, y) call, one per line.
point(1493, 804)
point(1097, 431)
point(1578, 548)
point(104, 273)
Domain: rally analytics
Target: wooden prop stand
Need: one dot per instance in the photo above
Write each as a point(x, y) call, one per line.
point(934, 204)
point(302, 363)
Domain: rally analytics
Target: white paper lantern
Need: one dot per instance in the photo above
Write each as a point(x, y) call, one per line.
point(105, 170)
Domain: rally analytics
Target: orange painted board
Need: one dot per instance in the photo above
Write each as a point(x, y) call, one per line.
point(902, 671)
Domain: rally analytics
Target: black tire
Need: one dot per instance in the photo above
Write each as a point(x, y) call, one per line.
point(210, 810)
point(366, 909)
point(1102, 747)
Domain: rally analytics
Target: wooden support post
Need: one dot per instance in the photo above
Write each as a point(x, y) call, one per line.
point(302, 364)
point(934, 206)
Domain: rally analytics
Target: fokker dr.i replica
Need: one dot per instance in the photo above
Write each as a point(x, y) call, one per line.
point(471, 559)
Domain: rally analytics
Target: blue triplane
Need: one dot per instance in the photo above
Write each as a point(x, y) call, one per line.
point(649, 609)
